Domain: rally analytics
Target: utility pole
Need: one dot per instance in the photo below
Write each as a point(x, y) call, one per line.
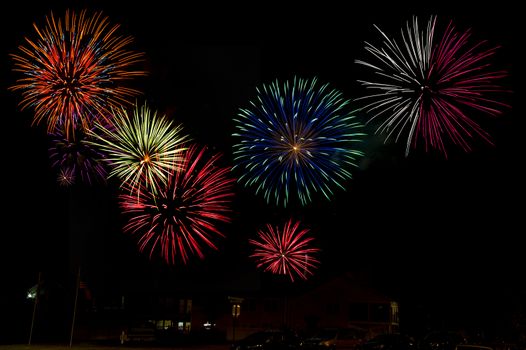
point(75, 307)
point(37, 295)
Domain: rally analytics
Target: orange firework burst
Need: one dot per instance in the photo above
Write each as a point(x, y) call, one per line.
point(74, 71)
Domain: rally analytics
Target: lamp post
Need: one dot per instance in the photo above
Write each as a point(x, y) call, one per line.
point(35, 303)
point(236, 311)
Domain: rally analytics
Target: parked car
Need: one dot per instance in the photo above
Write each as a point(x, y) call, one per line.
point(394, 341)
point(324, 339)
point(351, 338)
point(269, 340)
point(139, 333)
point(441, 340)
point(472, 347)
point(337, 338)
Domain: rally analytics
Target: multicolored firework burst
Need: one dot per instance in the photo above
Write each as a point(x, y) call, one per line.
point(75, 157)
point(74, 71)
point(297, 137)
point(142, 149)
point(185, 214)
point(427, 83)
point(286, 251)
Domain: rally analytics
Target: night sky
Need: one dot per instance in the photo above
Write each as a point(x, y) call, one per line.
point(422, 228)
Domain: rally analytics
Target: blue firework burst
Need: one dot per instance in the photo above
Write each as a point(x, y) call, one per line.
point(296, 138)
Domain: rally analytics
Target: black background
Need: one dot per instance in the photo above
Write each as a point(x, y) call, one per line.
point(436, 234)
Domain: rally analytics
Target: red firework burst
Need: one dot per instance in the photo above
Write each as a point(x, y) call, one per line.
point(183, 215)
point(285, 251)
point(74, 71)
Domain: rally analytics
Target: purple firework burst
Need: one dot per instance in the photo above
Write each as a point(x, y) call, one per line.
point(76, 158)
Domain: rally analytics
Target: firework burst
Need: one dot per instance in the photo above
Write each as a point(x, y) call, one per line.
point(285, 251)
point(74, 71)
point(66, 177)
point(143, 149)
point(296, 138)
point(76, 158)
point(427, 83)
point(185, 214)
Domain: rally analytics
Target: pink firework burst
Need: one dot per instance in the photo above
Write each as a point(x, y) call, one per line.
point(430, 84)
point(285, 251)
point(183, 216)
